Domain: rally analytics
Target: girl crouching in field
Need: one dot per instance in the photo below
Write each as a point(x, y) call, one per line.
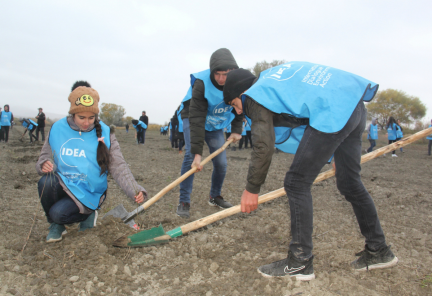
point(75, 160)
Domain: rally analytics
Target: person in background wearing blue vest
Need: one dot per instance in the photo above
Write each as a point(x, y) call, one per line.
point(6, 121)
point(1, 131)
point(243, 134)
point(314, 112)
point(430, 141)
point(248, 135)
point(31, 126)
point(392, 128)
point(75, 160)
point(204, 116)
point(140, 128)
point(399, 134)
point(372, 134)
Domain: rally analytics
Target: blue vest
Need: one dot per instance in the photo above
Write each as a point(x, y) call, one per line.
point(248, 127)
point(324, 95)
point(430, 136)
point(180, 126)
point(30, 126)
point(76, 158)
point(399, 133)
point(373, 133)
point(6, 118)
point(219, 114)
point(140, 124)
point(391, 132)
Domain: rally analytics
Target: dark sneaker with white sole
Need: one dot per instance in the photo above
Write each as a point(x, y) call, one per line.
point(218, 201)
point(56, 231)
point(383, 258)
point(183, 210)
point(290, 266)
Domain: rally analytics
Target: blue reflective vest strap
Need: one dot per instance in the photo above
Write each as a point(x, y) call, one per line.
point(325, 95)
point(219, 114)
point(430, 136)
point(6, 118)
point(373, 132)
point(75, 156)
point(391, 132)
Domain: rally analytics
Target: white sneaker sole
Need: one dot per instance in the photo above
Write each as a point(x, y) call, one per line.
point(299, 277)
point(53, 240)
point(389, 264)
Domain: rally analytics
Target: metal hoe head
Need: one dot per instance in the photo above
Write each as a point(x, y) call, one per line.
point(120, 212)
point(150, 237)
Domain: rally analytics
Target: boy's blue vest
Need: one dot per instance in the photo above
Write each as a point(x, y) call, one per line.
point(373, 133)
point(391, 132)
point(141, 124)
point(324, 95)
point(430, 136)
point(399, 133)
point(30, 126)
point(219, 114)
point(75, 156)
point(6, 118)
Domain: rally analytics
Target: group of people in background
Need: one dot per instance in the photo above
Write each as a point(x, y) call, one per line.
point(7, 122)
point(394, 133)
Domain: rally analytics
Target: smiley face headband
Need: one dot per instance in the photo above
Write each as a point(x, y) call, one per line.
point(84, 99)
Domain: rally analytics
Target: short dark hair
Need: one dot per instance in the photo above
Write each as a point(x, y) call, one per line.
point(80, 83)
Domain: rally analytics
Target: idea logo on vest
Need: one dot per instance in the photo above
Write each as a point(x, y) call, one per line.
point(71, 152)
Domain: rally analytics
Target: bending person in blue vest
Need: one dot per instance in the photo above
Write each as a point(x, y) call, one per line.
point(314, 112)
point(31, 126)
point(204, 116)
point(75, 160)
point(140, 128)
point(372, 135)
point(6, 120)
point(392, 129)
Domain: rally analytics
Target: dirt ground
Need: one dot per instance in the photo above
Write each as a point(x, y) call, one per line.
point(222, 258)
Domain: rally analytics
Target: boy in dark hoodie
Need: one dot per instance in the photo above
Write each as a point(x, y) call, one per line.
point(204, 116)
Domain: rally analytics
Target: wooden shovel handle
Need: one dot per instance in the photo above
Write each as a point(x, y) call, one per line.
point(281, 192)
point(184, 176)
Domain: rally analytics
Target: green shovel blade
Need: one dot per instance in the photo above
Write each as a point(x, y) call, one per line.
point(146, 237)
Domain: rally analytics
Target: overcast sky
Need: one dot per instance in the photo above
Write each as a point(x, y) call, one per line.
point(139, 54)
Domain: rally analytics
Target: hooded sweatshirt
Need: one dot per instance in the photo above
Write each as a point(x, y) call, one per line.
point(221, 60)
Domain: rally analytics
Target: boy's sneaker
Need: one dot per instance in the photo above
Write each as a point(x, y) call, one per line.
point(56, 231)
point(218, 201)
point(383, 258)
point(183, 210)
point(90, 222)
point(394, 155)
point(291, 266)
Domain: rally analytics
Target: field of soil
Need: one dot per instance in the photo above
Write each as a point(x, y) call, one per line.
point(222, 258)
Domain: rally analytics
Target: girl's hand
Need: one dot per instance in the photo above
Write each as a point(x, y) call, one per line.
point(140, 197)
point(47, 167)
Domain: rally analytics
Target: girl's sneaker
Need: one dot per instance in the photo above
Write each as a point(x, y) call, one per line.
point(56, 231)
